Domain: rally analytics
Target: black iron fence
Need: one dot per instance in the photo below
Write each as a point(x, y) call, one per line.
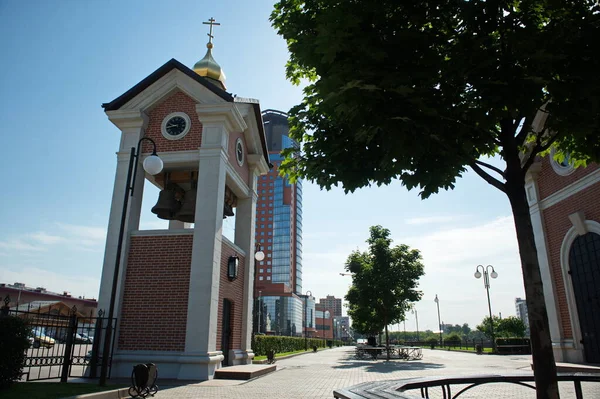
point(466, 344)
point(63, 343)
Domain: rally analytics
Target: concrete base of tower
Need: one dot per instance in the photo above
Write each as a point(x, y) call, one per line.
point(238, 357)
point(171, 365)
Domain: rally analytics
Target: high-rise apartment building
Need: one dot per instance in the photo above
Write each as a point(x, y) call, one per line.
point(332, 303)
point(522, 314)
point(278, 278)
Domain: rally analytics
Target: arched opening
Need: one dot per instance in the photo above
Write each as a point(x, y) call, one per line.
point(584, 268)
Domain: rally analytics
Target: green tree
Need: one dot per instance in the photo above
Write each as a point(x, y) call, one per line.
point(384, 283)
point(486, 327)
point(420, 90)
point(511, 327)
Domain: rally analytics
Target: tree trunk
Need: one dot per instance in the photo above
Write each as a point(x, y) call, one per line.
point(544, 366)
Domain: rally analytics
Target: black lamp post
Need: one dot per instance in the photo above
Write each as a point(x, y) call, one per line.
point(152, 165)
point(308, 295)
point(437, 301)
point(259, 255)
point(414, 310)
point(486, 283)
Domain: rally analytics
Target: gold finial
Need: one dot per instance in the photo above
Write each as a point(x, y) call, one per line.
point(210, 22)
point(207, 66)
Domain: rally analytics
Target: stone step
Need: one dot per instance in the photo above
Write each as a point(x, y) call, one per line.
point(244, 372)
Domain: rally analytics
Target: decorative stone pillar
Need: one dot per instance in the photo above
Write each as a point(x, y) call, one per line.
point(542, 251)
point(132, 125)
point(245, 224)
point(201, 358)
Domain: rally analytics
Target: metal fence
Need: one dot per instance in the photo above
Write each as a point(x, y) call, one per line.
point(62, 345)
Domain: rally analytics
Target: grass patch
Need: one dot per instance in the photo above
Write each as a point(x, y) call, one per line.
point(51, 390)
point(284, 354)
point(486, 350)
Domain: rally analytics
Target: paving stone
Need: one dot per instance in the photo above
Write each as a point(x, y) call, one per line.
point(317, 375)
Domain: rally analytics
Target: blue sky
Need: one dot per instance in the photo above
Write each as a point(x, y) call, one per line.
point(63, 59)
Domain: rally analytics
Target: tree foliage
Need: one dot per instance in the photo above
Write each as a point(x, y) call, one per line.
point(384, 283)
point(14, 333)
point(420, 90)
point(509, 327)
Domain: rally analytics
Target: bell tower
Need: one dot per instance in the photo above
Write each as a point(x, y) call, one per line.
point(183, 295)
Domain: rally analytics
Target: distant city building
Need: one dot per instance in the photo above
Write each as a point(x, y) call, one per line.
point(333, 303)
point(278, 278)
point(342, 327)
point(324, 322)
point(521, 308)
point(26, 297)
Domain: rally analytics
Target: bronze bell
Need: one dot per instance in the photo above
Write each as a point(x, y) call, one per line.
point(227, 210)
point(187, 212)
point(167, 205)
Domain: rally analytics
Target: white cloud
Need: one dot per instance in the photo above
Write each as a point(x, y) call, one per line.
point(87, 234)
point(53, 281)
point(450, 255)
point(433, 219)
point(19, 245)
point(46, 238)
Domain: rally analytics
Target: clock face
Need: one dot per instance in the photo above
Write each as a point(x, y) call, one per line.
point(239, 151)
point(176, 125)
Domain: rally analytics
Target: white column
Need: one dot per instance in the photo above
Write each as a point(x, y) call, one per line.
point(537, 223)
point(132, 126)
point(201, 356)
point(245, 223)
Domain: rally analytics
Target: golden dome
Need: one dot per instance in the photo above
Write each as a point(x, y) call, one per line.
point(208, 67)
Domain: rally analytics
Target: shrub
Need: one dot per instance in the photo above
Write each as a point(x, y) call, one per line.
point(453, 340)
point(431, 341)
point(263, 343)
point(14, 334)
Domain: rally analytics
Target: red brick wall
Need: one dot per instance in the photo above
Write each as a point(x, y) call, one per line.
point(557, 223)
point(176, 102)
point(234, 291)
point(155, 299)
point(550, 182)
point(242, 170)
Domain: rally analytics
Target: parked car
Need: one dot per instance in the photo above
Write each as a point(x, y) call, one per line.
point(81, 339)
point(41, 339)
point(90, 340)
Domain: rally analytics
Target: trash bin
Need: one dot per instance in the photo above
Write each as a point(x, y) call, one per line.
point(143, 380)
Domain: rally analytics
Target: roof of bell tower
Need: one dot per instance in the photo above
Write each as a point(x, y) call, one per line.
point(207, 67)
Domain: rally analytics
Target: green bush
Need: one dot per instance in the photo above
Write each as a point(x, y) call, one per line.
point(431, 341)
point(263, 343)
point(14, 333)
point(453, 340)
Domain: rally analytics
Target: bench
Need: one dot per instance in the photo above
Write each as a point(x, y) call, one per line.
point(398, 388)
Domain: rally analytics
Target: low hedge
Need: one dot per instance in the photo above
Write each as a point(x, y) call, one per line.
point(14, 334)
point(513, 346)
point(263, 343)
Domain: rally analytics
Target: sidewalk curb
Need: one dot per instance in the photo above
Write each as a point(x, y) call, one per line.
point(264, 361)
point(113, 394)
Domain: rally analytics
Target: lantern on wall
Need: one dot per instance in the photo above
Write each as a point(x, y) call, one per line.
point(232, 267)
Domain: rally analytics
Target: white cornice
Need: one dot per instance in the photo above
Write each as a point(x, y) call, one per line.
point(128, 119)
point(239, 250)
point(240, 187)
point(173, 80)
point(223, 113)
point(571, 189)
point(154, 233)
point(258, 162)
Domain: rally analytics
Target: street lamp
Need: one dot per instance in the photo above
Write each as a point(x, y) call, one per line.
point(486, 283)
point(308, 295)
point(152, 165)
point(259, 255)
point(259, 309)
point(437, 301)
point(414, 311)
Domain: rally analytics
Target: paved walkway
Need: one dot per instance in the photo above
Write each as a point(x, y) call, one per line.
point(316, 375)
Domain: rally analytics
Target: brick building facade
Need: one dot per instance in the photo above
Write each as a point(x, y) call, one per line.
point(565, 210)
